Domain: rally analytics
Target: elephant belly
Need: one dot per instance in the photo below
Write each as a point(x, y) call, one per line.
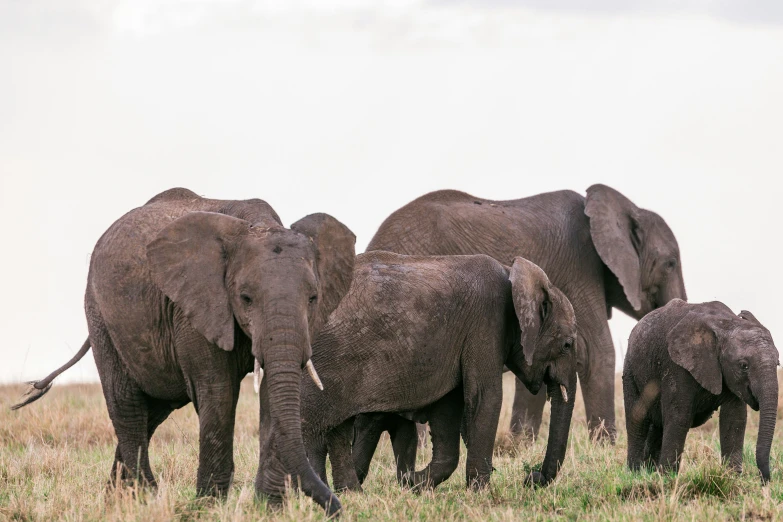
point(154, 371)
point(701, 417)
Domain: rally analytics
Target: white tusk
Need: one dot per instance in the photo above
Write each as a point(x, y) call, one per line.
point(564, 393)
point(258, 374)
point(314, 374)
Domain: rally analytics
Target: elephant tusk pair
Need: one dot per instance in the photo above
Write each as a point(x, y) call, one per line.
point(258, 374)
point(564, 393)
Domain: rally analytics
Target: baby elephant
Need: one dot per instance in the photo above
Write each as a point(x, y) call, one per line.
point(428, 337)
point(685, 361)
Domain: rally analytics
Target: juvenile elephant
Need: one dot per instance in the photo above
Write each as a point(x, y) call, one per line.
point(428, 337)
point(685, 361)
point(184, 296)
point(601, 250)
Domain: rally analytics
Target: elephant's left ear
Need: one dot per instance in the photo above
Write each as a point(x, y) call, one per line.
point(335, 251)
point(616, 236)
point(693, 345)
point(532, 302)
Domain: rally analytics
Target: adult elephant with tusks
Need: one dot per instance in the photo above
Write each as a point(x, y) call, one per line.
point(601, 250)
point(185, 295)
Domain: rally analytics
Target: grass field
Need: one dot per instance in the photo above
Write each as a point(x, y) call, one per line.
point(55, 457)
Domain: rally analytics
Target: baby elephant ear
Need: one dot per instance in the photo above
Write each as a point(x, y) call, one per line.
point(532, 304)
point(335, 252)
point(188, 263)
point(693, 345)
point(744, 314)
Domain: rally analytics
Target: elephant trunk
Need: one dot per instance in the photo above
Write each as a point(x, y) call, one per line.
point(674, 289)
point(768, 407)
point(282, 447)
point(559, 426)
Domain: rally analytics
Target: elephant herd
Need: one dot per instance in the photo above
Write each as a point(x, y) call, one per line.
point(187, 295)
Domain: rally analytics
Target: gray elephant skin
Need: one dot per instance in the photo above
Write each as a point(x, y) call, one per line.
point(601, 250)
point(428, 337)
point(184, 295)
point(685, 361)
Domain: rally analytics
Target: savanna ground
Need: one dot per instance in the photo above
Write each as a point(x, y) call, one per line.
point(55, 457)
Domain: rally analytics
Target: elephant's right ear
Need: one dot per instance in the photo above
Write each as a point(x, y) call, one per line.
point(532, 303)
point(188, 263)
point(693, 345)
point(335, 252)
point(616, 235)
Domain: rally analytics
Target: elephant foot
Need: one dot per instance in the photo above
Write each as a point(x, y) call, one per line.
point(274, 502)
point(478, 482)
point(536, 480)
point(524, 434)
point(603, 434)
point(416, 481)
point(122, 477)
point(339, 487)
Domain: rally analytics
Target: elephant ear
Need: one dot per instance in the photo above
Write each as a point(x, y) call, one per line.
point(188, 263)
point(334, 258)
point(617, 237)
point(744, 314)
point(693, 345)
point(532, 303)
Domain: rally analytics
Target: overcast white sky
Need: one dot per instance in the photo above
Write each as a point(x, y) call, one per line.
point(356, 108)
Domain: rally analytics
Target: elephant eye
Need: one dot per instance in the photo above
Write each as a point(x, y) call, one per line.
point(313, 299)
point(744, 366)
point(567, 345)
point(246, 299)
point(671, 264)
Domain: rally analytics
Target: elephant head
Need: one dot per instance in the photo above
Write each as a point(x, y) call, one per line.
point(273, 286)
point(546, 353)
point(719, 348)
point(639, 248)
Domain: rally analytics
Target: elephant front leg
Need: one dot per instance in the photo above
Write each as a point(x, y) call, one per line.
point(527, 411)
point(216, 410)
point(652, 448)
point(482, 412)
point(733, 417)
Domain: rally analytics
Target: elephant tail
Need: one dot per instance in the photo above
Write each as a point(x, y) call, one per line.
point(39, 388)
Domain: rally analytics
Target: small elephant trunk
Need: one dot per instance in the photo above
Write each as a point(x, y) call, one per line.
point(768, 408)
point(559, 427)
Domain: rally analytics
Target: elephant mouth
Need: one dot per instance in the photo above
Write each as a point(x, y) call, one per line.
point(549, 378)
point(753, 402)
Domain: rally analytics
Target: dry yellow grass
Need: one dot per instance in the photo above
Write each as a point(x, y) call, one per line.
point(55, 457)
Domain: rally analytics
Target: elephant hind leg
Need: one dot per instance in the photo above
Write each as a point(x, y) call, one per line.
point(445, 421)
point(127, 405)
point(405, 439)
point(368, 428)
point(652, 448)
point(129, 414)
point(158, 411)
point(339, 447)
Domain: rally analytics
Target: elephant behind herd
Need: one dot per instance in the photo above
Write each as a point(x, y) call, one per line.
point(186, 295)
